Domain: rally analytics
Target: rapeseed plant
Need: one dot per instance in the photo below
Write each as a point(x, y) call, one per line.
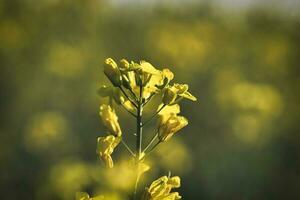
point(133, 87)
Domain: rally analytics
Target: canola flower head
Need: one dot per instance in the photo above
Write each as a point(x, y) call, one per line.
point(110, 120)
point(161, 188)
point(133, 86)
point(105, 147)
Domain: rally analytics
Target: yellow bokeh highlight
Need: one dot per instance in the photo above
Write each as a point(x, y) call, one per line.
point(44, 130)
point(247, 128)
point(256, 105)
point(174, 156)
point(252, 96)
point(184, 44)
point(122, 176)
point(65, 61)
point(68, 177)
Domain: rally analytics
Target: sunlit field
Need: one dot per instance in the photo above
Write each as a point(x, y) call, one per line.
point(240, 60)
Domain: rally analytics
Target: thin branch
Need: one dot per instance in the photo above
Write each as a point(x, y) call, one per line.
point(128, 148)
point(152, 148)
point(151, 141)
point(154, 115)
point(125, 94)
point(132, 93)
point(128, 111)
point(149, 99)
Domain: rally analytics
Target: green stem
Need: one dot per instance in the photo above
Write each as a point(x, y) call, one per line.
point(145, 103)
point(151, 141)
point(131, 113)
point(139, 135)
point(125, 94)
point(152, 148)
point(128, 148)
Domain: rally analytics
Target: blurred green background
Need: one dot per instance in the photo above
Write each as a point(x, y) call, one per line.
point(240, 58)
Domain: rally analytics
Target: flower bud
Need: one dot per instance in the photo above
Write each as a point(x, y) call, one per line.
point(105, 147)
point(124, 64)
point(110, 120)
point(126, 82)
point(169, 96)
point(168, 127)
point(174, 181)
point(112, 72)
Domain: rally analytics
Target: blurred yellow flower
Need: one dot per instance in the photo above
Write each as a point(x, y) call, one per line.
point(86, 196)
point(160, 189)
point(105, 147)
point(110, 120)
point(112, 72)
point(169, 125)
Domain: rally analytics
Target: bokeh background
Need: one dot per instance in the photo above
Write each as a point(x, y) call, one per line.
point(240, 58)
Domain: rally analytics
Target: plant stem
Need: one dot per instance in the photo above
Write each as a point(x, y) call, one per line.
point(152, 148)
point(128, 148)
point(125, 94)
point(139, 134)
point(151, 141)
point(131, 113)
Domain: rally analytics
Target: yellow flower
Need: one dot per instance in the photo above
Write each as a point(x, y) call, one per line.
point(169, 125)
point(86, 196)
point(128, 74)
point(168, 75)
point(177, 90)
point(105, 147)
point(112, 72)
point(154, 80)
point(160, 189)
point(110, 120)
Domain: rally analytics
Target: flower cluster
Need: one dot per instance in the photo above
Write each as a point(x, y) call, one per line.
point(161, 188)
point(133, 86)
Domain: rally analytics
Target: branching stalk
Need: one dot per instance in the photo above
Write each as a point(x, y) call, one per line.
point(139, 138)
point(131, 113)
point(125, 94)
point(128, 148)
point(151, 142)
